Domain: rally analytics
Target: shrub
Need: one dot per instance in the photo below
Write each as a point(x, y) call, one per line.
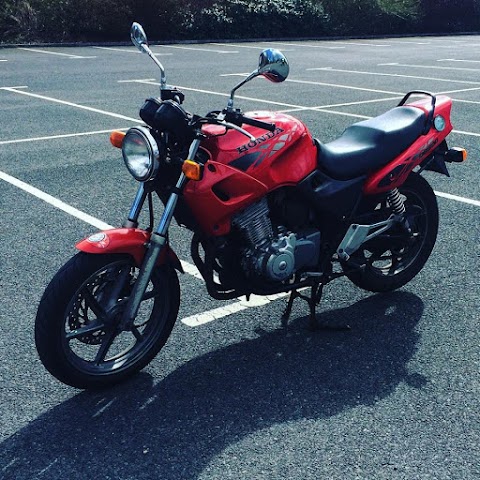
point(94, 20)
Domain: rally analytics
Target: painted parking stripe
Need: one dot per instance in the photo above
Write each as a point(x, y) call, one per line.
point(457, 198)
point(70, 104)
point(55, 202)
point(222, 312)
point(397, 75)
point(360, 44)
point(55, 137)
point(48, 52)
point(251, 47)
point(132, 50)
point(75, 212)
point(290, 106)
point(457, 60)
point(306, 45)
point(198, 49)
point(430, 67)
point(15, 87)
point(193, 320)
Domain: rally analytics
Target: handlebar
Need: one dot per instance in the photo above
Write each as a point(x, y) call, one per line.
point(236, 117)
point(258, 123)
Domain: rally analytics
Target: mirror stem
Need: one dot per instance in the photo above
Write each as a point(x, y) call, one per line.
point(236, 87)
point(163, 78)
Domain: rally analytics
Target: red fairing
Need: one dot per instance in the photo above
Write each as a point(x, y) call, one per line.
point(241, 171)
point(396, 172)
point(131, 241)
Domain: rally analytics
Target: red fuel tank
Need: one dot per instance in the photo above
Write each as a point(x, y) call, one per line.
point(240, 171)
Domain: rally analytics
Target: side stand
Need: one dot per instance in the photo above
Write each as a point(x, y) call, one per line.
point(316, 291)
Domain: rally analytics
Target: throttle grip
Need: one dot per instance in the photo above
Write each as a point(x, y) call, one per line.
point(258, 123)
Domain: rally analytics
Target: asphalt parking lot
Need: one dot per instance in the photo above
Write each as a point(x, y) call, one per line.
point(233, 395)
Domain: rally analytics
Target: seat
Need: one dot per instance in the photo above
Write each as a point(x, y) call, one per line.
point(371, 144)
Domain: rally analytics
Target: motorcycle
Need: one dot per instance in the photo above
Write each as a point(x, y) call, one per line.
point(272, 210)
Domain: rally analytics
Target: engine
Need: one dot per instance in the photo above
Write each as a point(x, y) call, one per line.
point(274, 255)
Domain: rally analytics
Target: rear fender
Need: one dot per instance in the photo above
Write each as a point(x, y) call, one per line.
point(132, 241)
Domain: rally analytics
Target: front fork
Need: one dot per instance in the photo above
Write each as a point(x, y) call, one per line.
point(158, 240)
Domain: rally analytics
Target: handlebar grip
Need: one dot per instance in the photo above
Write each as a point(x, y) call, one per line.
point(258, 123)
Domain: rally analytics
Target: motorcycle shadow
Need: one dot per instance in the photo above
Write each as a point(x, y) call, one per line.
point(174, 428)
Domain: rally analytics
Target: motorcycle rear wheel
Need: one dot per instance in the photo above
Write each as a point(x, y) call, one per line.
point(390, 261)
point(78, 333)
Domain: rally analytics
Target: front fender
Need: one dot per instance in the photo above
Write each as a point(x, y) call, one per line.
point(132, 241)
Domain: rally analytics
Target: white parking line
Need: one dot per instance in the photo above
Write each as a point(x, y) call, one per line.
point(193, 320)
point(362, 102)
point(75, 212)
point(449, 92)
point(290, 106)
point(455, 60)
point(251, 47)
point(222, 312)
point(359, 44)
point(324, 84)
point(198, 49)
point(55, 137)
point(429, 67)
point(397, 75)
point(457, 198)
point(16, 87)
point(55, 202)
point(70, 104)
point(307, 45)
point(408, 41)
point(132, 50)
point(48, 52)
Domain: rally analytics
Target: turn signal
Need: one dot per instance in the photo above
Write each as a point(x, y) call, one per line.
point(116, 138)
point(456, 154)
point(192, 170)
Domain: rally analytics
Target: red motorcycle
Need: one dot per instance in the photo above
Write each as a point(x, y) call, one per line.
point(271, 210)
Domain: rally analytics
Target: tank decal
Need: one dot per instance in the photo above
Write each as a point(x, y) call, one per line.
point(258, 140)
point(243, 163)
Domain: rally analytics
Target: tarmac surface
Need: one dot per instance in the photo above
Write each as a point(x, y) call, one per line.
point(233, 394)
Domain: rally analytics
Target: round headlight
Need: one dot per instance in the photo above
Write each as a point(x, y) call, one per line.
point(140, 153)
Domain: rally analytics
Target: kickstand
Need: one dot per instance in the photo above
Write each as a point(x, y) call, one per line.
point(313, 300)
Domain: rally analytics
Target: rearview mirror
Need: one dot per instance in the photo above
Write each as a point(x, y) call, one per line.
point(273, 65)
point(138, 36)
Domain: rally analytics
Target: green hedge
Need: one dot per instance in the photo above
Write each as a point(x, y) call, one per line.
point(108, 20)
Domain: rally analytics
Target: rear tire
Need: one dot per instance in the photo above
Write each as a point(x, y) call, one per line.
point(77, 329)
point(392, 263)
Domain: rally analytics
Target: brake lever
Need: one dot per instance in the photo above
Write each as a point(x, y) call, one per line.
point(237, 128)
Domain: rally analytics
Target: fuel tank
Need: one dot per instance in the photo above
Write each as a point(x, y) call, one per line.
point(240, 171)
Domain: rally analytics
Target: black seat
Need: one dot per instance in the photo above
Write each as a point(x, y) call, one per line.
point(371, 144)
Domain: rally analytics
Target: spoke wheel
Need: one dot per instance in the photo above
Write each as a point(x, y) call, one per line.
point(391, 260)
point(79, 331)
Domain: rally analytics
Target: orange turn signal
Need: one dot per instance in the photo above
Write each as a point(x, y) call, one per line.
point(456, 154)
point(192, 170)
point(116, 138)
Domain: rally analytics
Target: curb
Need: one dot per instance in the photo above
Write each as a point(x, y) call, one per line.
point(235, 40)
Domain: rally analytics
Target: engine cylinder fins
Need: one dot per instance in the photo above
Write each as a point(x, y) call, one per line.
point(254, 223)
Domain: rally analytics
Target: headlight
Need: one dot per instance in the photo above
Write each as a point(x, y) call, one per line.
point(140, 153)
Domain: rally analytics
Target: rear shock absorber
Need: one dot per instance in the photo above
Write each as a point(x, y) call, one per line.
point(398, 208)
point(396, 202)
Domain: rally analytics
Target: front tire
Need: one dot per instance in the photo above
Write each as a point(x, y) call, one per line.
point(78, 331)
point(391, 260)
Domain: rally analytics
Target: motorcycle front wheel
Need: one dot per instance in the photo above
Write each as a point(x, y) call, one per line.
point(78, 330)
point(394, 258)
